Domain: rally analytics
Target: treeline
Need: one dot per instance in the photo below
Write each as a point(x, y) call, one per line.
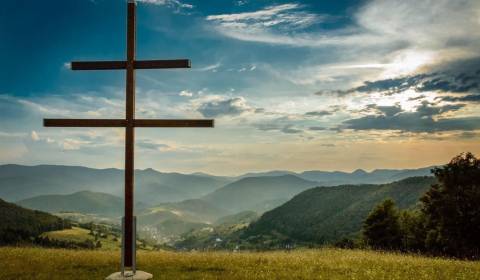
point(447, 221)
point(20, 225)
point(67, 244)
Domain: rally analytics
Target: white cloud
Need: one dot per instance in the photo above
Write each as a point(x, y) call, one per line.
point(73, 144)
point(387, 39)
point(171, 3)
point(34, 135)
point(212, 67)
point(259, 25)
point(397, 37)
point(218, 106)
point(266, 15)
point(186, 93)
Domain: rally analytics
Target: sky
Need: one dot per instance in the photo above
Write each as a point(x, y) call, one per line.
point(292, 85)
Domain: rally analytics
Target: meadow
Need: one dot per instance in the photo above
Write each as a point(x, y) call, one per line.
point(77, 234)
point(40, 263)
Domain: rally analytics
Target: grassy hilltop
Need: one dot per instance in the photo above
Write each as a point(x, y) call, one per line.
point(302, 264)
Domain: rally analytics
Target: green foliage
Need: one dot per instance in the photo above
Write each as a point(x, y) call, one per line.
point(101, 237)
point(45, 241)
point(448, 221)
point(452, 210)
point(381, 229)
point(345, 243)
point(412, 223)
point(324, 215)
point(19, 225)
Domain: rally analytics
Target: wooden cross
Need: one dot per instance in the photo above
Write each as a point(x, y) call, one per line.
point(128, 254)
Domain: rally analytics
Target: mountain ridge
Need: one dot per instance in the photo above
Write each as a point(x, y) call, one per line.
point(247, 193)
point(332, 213)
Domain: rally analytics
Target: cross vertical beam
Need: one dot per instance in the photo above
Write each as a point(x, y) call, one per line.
point(130, 135)
point(130, 64)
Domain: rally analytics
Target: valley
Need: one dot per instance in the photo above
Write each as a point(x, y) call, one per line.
point(199, 211)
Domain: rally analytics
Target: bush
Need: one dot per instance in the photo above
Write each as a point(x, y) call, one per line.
point(345, 243)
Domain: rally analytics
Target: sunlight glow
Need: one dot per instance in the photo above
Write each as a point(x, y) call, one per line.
point(407, 62)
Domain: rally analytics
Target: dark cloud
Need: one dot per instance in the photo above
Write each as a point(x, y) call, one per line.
point(317, 128)
point(230, 107)
point(417, 97)
point(466, 98)
point(318, 113)
point(290, 130)
point(278, 125)
point(384, 110)
point(321, 113)
point(148, 145)
point(457, 77)
point(426, 118)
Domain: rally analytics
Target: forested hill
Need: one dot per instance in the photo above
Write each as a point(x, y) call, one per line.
point(19, 224)
point(326, 214)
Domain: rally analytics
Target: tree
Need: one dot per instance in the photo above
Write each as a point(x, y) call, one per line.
point(381, 229)
point(412, 226)
point(452, 210)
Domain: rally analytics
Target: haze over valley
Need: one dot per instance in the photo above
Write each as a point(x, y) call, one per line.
point(170, 205)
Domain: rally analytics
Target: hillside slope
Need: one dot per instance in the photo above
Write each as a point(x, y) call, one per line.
point(326, 214)
point(258, 193)
point(18, 223)
point(85, 202)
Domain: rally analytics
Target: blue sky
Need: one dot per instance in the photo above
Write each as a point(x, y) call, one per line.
point(298, 85)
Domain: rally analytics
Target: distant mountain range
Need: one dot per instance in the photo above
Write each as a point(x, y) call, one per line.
point(326, 214)
point(359, 176)
point(258, 193)
point(19, 182)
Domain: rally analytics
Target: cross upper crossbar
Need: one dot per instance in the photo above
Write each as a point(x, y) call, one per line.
point(137, 64)
point(124, 123)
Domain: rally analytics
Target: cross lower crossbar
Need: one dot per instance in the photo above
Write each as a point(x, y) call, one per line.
point(123, 123)
point(137, 64)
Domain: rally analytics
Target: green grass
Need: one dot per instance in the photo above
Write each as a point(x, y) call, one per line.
point(77, 234)
point(38, 263)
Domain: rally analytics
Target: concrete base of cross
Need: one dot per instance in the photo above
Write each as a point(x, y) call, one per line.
point(139, 275)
